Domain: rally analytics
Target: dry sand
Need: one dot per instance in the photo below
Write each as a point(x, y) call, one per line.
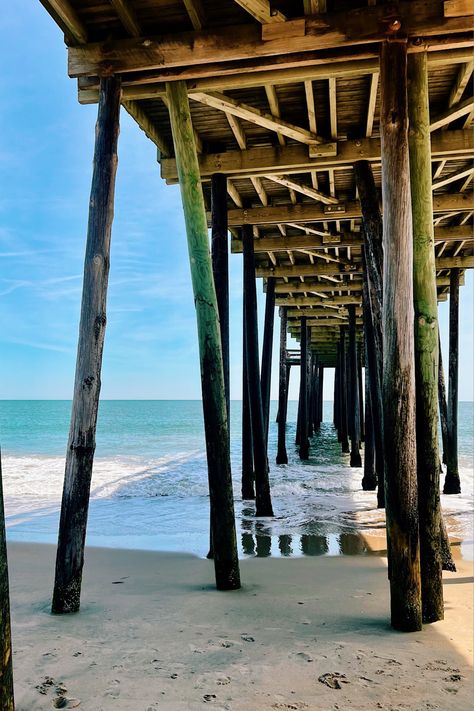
point(153, 635)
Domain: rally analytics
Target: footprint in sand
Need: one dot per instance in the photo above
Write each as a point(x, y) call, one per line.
point(333, 680)
point(223, 680)
point(301, 656)
point(247, 638)
point(292, 706)
point(114, 689)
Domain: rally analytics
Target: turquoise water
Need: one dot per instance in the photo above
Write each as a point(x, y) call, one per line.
point(149, 487)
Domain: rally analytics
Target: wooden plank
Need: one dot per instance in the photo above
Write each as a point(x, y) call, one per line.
point(333, 107)
point(284, 160)
point(330, 31)
point(299, 270)
point(314, 212)
point(398, 346)
point(127, 17)
point(303, 189)
point(196, 13)
point(81, 442)
point(462, 80)
point(374, 83)
point(332, 303)
point(259, 189)
point(262, 11)
point(452, 178)
point(224, 544)
point(458, 8)
point(233, 192)
point(274, 105)
point(455, 112)
point(63, 12)
point(249, 113)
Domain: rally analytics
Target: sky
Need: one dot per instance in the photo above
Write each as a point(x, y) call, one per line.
point(46, 150)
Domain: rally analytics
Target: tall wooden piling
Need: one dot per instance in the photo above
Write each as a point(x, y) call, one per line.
point(442, 402)
point(267, 351)
point(248, 476)
point(426, 339)
point(354, 424)
point(398, 344)
point(361, 395)
point(260, 460)
point(452, 483)
point(282, 456)
point(320, 394)
point(373, 270)
point(220, 268)
point(335, 410)
point(226, 563)
point(369, 479)
point(343, 392)
point(81, 444)
point(6, 666)
point(304, 441)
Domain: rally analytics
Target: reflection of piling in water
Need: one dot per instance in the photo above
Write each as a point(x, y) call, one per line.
point(248, 545)
point(264, 545)
point(314, 545)
point(284, 544)
point(351, 544)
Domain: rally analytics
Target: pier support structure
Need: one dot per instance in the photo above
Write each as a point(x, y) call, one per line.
point(260, 460)
point(267, 351)
point(303, 406)
point(442, 403)
point(452, 483)
point(248, 475)
point(398, 344)
point(6, 665)
point(85, 404)
point(282, 455)
point(343, 391)
point(426, 339)
point(224, 542)
point(354, 408)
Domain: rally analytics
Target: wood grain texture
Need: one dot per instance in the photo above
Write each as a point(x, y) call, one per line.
point(81, 444)
point(401, 503)
point(282, 456)
point(267, 351)
point(303, 400)
point(226, 563)
point(6, 666)
point(354, 408)
point(452, 483)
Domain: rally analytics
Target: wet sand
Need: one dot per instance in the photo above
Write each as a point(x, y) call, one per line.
point(303, 633)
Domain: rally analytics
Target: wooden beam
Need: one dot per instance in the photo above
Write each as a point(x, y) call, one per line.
point(374, 83)
point(330, 31)
point(458, 8)
point(303, 189)
point(234, 193)
point(65, 15)
point(284, 160)
point(452, 178)
point(302, 270)
point(311, 286)
point(274, 105)
point(127, 17)
point(334, 302)
point(458, 202)
point(148, 127)
point(453, 113)
point(262, 11)
point(196, 13)
point(249, 113)
point(462, 80)
point(333, 107)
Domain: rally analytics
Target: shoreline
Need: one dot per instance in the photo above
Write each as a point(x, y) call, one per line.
point(154, 635)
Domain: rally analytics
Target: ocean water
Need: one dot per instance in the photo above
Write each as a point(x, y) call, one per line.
point(149, 485)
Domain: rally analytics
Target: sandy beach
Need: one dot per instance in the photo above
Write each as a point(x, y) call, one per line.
point(306, 633)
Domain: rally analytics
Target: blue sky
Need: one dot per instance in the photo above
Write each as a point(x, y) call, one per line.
point(46, 148)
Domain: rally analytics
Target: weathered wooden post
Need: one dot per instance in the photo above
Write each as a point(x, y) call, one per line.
point(81, 444)
point(442, 403)
point(267, 352)
point(304, 442)
point(398, 344)
point(220, 268)
point(369, 480)
point(373, 267)
point(248, 476)
point(320, 393)
point(343, 390)
point(311, 395)
point(282, 456)
point(226, 562)
point(452, 483)
point(335, 417)
point(426, 339)
point(262, 484)
point(354, 425)
point(6, 667)
point(361, 395)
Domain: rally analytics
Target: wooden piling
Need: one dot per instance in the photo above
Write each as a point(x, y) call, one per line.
point(343, 392)
point(426, 339)
point(220, 268)
point(452, 483)
point(335, 410)
point(282, 456)
point(320, 394)
point(442, 403)
point(369, 479)
point(81, 444)
point(248, 476)
point(361, 396)
point(267, 351)
point(304, 441)
point(226, 563)
point(398, 344)
point(354, 425)
point(262, 483)
point(6, 667)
